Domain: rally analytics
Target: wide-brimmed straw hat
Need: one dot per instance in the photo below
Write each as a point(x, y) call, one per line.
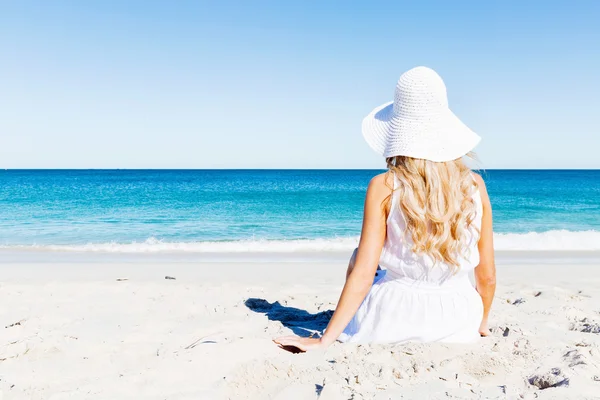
point(418, 123)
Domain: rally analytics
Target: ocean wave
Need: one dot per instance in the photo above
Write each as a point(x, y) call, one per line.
point(550, 240)
point(153, 245)
point(531, 241)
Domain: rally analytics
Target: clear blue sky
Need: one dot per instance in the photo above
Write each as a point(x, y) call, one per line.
point(285, 84)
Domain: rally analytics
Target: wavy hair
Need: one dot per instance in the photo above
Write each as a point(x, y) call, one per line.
point(437, 203)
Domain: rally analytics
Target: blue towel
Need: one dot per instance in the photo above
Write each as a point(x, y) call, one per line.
point(379, 275)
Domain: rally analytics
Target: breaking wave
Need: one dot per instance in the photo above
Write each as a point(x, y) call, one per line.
point(531, 241)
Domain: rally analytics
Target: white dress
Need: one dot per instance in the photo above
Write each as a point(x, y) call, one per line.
point(414, 300)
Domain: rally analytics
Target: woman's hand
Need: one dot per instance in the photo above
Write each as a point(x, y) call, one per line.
point(483, 328)
point(301, 343)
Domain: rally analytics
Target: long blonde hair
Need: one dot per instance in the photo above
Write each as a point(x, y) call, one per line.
point(437, 202)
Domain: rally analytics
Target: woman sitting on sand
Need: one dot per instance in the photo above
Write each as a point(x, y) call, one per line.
point(427, 222)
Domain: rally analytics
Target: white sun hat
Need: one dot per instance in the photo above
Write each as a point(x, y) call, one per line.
point(418, 123)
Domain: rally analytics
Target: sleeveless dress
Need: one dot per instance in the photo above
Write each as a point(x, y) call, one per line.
point(414, 300)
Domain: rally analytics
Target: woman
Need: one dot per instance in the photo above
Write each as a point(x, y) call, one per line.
point(427, 222)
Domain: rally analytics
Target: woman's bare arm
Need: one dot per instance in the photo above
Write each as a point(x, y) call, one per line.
point(485, 272)
point(360, 279)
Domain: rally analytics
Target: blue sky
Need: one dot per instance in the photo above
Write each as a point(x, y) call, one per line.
point(274, 84)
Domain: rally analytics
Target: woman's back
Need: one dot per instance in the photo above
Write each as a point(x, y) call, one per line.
point(402, 262)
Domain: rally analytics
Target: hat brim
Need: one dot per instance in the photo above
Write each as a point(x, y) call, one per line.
point(441, 138)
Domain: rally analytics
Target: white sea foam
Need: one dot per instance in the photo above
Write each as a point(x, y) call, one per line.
point(153, 245)
point(552, 240)
point(545, 241)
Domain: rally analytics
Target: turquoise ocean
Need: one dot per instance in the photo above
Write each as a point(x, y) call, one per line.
point(135, 211)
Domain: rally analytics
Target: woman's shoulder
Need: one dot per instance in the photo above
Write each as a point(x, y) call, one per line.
point(380, 188)
point(478, 179)
point(379, 192)
point(383, 182)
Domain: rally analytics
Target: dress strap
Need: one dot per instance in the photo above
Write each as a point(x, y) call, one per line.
point(395, 185)
point(394, 197)
point(477, 193)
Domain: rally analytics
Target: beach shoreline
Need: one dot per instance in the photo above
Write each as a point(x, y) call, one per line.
point(121, 330)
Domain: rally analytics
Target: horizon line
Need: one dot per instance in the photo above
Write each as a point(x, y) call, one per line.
point(278, 169)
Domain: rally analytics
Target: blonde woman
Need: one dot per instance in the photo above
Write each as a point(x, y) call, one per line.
point(427, 223)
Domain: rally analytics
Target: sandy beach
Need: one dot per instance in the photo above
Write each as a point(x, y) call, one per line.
point(182, 182)
point(121, 330)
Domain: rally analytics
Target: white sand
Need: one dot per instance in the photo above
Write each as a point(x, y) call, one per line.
point(81, 334)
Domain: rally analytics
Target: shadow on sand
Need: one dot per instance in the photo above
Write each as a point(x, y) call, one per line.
point(301, 322)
